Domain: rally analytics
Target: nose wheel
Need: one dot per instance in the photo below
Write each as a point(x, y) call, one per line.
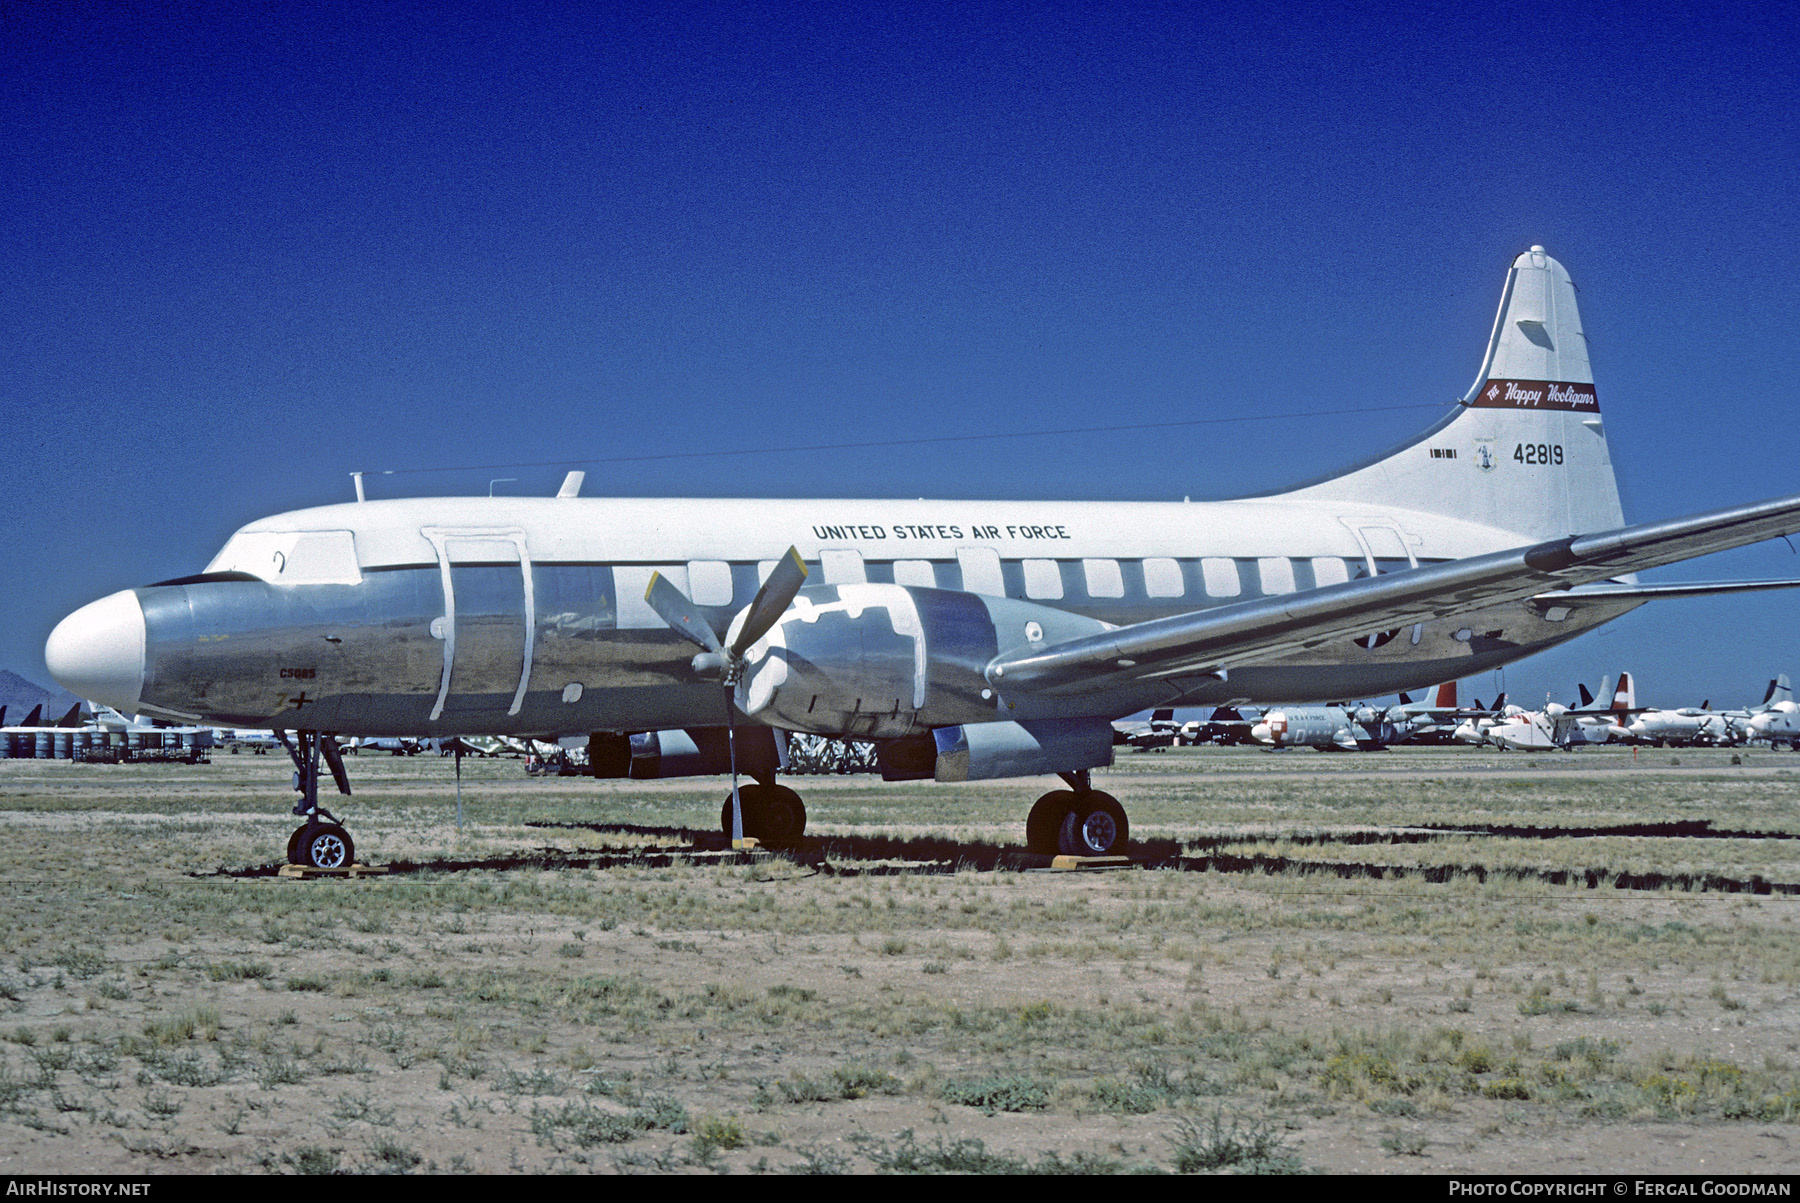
point(321, 846)
point(1077, 822)
point(321, 841)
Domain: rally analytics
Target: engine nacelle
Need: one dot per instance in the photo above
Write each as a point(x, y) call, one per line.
point(877, 661)
point(700, 752)
point(988, 750)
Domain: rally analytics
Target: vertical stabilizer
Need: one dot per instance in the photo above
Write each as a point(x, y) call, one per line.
point(1446, 696)
point(1625, 697)
point(1525, 450)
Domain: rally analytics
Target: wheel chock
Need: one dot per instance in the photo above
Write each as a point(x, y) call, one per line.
point(307, 872)
point(1091, 864)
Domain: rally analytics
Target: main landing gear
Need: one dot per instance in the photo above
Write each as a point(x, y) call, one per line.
point(773, 814)
point(1078, 821)
point(321, 841)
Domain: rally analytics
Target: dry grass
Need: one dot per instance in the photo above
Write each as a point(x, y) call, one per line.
point(1395, 962)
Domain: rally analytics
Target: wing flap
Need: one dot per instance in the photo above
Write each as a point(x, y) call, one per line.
point(1213, 641)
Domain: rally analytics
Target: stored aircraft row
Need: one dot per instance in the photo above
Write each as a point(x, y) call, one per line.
point(968, 639)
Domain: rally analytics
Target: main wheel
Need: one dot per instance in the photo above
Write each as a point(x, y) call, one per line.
point(751, 798)
point(1097, 826)
point(773, 814)
point(1046, 820)
point(781, 816)
point(324, 846)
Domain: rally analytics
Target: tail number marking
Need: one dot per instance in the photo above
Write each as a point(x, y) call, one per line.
point(1538, 453)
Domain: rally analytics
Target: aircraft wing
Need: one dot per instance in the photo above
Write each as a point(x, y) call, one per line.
point(1209, 642)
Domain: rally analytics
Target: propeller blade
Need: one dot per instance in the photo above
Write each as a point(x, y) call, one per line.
point(772, 601)
point(681, 614)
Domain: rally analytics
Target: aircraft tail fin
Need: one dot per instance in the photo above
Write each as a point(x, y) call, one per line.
point(1587, 699)
point(35, 717)
point(1779, 691)
point(1446, 696)
point(72, 718)
point(1525, 450)
point(1625, 696)
point(1162, 716)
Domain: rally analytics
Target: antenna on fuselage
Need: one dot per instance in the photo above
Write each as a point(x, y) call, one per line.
point(357, 477)
point(571, 485)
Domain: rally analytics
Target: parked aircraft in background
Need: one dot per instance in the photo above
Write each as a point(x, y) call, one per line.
point(1777, 720)
point(1362, 727)
point(1703, 726)
point(968, 639)
point(1162, 731)
point(1591, 721)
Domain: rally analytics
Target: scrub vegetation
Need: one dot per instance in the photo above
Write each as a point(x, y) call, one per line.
point(1420, 960)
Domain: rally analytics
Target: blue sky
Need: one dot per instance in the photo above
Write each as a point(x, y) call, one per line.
point(251, 249)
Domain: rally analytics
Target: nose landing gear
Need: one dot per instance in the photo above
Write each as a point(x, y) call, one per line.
point(1079, 821)
point(321, 841)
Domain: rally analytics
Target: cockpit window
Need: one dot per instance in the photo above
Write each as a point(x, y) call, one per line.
point(326, 557)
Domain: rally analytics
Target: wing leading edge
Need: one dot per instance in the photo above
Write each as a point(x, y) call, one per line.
point(1211, 641)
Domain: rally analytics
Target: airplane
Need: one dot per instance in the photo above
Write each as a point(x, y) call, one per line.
point(1777, 720)
point(1703, 726)
point(1559, 726)
point(1325, 728)
point(1162, 731)
point(1226, 725)
point(1359, 728)
point(969, 640)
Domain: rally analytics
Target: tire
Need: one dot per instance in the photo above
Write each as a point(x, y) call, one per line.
point(751, 796)
point(773, 814)
point(781, 817)
point(1097, 826)
point(1045, 821)
point(293, 848)
point(325, 846)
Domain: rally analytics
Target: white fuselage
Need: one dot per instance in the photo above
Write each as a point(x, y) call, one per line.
point(527, 616)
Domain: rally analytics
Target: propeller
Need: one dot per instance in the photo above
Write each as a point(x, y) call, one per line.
point(727, 659)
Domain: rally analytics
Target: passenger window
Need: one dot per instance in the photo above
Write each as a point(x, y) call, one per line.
point(1043, 580)
point(1329, 570)
point(710, 582)
point(915, 572)
point(1103, 578)
point(1221, 576)
point(842, 566)
point(1277, 573)
point(981, 571)
point(1162, 578)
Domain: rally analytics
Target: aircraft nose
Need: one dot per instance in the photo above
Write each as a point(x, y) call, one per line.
point(97, 652)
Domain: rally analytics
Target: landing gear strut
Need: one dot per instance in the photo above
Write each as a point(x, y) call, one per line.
point(1079, 821)
point(773, 814)
point(321, 841)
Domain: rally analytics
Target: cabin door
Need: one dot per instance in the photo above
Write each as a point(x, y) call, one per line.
point(487, 627)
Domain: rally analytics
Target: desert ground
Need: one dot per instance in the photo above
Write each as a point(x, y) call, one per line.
point(1431, 961)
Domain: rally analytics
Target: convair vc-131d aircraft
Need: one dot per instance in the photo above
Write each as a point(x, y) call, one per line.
point(968, 639)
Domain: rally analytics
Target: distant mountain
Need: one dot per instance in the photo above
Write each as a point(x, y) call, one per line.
point(19, 695)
